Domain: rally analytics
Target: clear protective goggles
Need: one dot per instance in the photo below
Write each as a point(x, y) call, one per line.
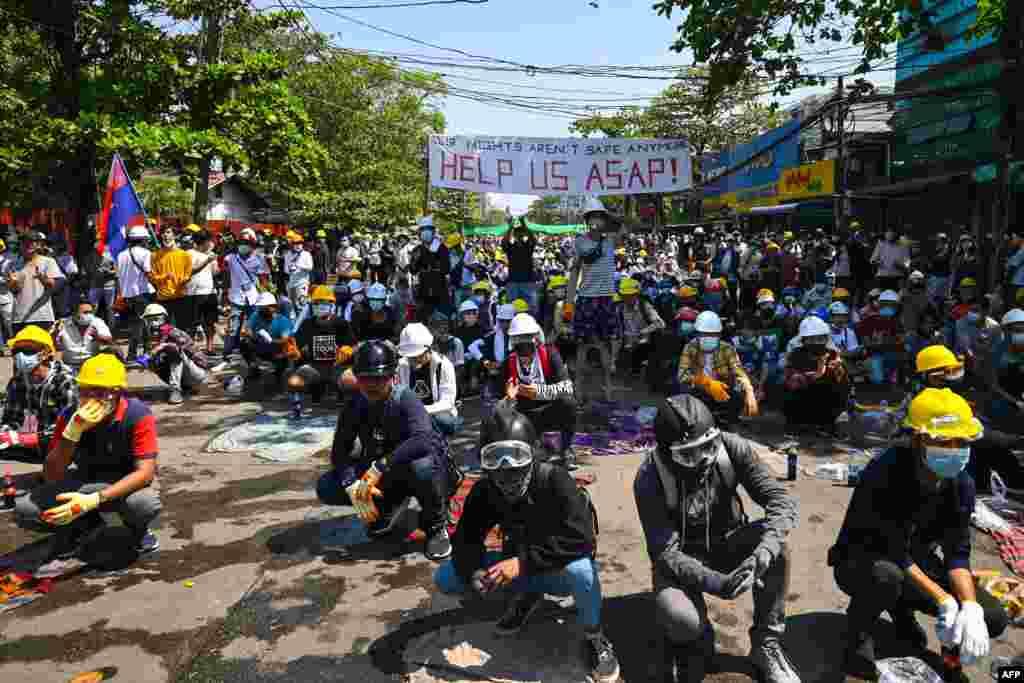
point(694, 455)
point(521, 339)
point(505, 454)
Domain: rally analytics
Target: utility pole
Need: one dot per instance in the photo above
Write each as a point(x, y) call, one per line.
point(840, 207)
point(205, 105)
point(426, 179)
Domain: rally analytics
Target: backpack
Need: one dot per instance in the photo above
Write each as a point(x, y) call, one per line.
point(546, 470)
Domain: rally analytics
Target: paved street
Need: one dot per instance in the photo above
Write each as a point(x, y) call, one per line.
point(264, 604)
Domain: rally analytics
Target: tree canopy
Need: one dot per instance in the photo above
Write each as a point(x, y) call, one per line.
point(775, 39)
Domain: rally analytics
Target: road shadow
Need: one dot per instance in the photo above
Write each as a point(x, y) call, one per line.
point(339, 540)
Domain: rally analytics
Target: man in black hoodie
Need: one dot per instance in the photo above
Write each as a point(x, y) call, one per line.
point(549, 529)
point(700, 541)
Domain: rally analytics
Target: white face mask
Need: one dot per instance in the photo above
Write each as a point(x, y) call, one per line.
point(84, 319)
point(323, 310)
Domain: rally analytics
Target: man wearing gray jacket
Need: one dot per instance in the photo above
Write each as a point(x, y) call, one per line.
point(700, 540)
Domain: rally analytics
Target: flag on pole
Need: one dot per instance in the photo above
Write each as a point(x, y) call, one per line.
point(121, 210)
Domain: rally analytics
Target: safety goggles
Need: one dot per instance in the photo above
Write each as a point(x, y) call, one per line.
point(505, 454)
point(522, 339)
point(693, 456)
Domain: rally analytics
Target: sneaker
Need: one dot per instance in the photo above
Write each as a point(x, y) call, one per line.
point(148, 543)
point(403, 518)
point(604, 665)
point(769, 657)
point(176, 398)
point(438, 545)
point(519, 609)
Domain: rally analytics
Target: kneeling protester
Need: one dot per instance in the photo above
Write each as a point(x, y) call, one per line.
point(549, 537)
point(430, 376)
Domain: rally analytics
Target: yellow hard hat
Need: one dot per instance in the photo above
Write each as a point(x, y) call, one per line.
point(766, 292)
point(33, 334)
point(453, 240)
point(192, 227)
point(968, 282)
point(500, 257)
point(521, 306)
point(616, 298)
point(562, 281)
point(3, 245)
point(323, 293)
point(293, 237)
point(643, 253)
point(621, 251)
point(482, 286)
point(788, 235)
point(936, 357)
point(840, 293)
point(105, 371)
point(321, 233)
point(629, 287)
point(771, 246)
point(687, 292)
point(355, 275)
point(942, 414)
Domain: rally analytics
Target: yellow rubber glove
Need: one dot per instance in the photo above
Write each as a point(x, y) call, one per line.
point(76, 505)
point(88, 415)
point(343, 356)
point(715, 389)
point(362, 492)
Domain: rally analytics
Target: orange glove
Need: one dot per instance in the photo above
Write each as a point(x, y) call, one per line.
point(291, 349)
point(715, 389)
point(343, 356)
point(567, 311)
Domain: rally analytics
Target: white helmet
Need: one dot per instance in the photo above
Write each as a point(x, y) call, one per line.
point(917, 275)
point(355, 287)
point(813, 326)
point(889, 297)
point(414, 340)
point(838, 308)
point(154, 309)
point(138, 232)
point(708, 322)
point(266, 299)
point(467, 306)
point(698, 231)
point(506, 312)
point(593, 205)
point(377, 291)
point(247, 234)
point(522, 325)
point(1013, 317)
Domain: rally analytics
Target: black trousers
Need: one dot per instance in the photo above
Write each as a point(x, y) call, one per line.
point(993, 452)
point(817, 404)
point(135, 307)
point(552, 416)
point(876, 584)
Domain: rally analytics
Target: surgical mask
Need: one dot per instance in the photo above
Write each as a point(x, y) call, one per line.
point(267, 314)
point(26, 362)
point(1017, 339)
point(686, 327)
point(709, 343)
point(244, 249)
point(155, 324)
point(947, 463)
point(323, 310)
point(558, 292)
point(470, 319)
point(358, 298)
point(887, 312)
point(84, 319)
point(426, 235)
point(377, 305)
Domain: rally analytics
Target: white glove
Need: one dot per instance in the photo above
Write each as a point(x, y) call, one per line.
point(945, 626)
point(265, 336)
point(971, 632)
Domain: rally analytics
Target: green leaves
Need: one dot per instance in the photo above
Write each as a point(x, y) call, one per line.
point(743, 38)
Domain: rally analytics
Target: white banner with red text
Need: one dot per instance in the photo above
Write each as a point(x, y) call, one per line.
point(553, 166)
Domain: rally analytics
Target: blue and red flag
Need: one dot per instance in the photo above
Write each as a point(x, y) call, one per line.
point(121, 210)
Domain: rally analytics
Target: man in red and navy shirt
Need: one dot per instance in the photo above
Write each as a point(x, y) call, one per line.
point(112, 441)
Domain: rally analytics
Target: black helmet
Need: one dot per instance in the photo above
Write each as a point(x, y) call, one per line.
point(507, 440)
point(375, 358)
point(686, 432)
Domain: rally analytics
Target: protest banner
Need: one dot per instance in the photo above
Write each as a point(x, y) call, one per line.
point(557, 166)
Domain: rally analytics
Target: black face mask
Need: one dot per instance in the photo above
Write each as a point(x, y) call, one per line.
point(524, 350)
point(267, 315)
point(815, 349)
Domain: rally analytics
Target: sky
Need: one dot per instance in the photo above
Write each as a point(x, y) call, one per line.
point(554, 32)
